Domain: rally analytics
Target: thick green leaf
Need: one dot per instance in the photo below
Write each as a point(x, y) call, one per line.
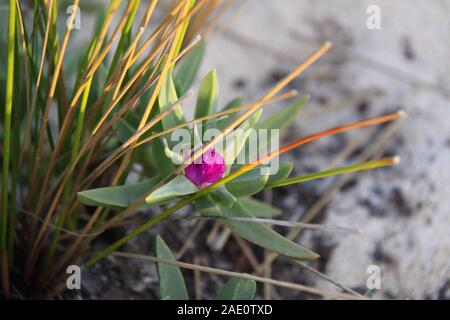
point(284, 170)
point(171, 281)
point(186, 70)
point(116, 197)
point(264, 236)
point(207, 207)
point(179, 186)
point(159, 160)
point(207, 95)
point(166, 97)
point(248, 183)
point(235, 141)
point(259, 209)
point(237, 289)
point(284, 117)
point(226, 121)
point(276, 121)
point(223, 197)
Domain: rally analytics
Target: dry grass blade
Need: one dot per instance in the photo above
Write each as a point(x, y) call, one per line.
point(294, 286)
point(295, 225)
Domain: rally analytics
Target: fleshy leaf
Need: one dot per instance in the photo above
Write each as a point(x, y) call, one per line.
point(264, 236)
point(235, 141)
point(259, 209)
point(186, 70)
point(223, 197)
point(166, 97)
point(248, 183)
point(284, 170)
point(237, 289)
point(225, 122)
point(116, 197)
point(171, 281)
point(284, 117)
point(207, 207)
point(179, 186)
point(275, 121)
point(207, 95)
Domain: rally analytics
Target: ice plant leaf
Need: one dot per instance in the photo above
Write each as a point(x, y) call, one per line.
point(259, 209)
point(158, 159)
point(116, 197)
point(207, 95)
point(237, 289)
point(263, 235)
point(166, 97)
point(235, 141)
point(171, 281)
point(225, 122)
point(284, 117)
point(223, 197)
point(275, 121)
point(284, 170)
point(247, 184)
point(179, 186)
point(187, 69)
point(206, 206)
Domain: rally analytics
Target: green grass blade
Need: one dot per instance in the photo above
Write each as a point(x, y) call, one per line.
point(122, 45)
point(7, 124)
point(328, 173)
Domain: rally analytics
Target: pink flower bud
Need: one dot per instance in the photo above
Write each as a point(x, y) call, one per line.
point(208, 170)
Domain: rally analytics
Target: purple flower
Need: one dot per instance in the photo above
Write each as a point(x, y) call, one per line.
point(209, 169)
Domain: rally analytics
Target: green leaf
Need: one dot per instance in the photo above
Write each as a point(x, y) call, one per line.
point(235, 141)
point(225, 122)
point(159, 160)
point(284, 117)
point(207, 95)
point(207, 207)
point(167, 96)
point(237, 289)
point(223, 197)
point(284, 170)
point(171, 281)
point(259, 209)
point(179, 186)
point(248, 183)
point(264, 236)
point(186, 70)
point(116, 197)
point(275, 121)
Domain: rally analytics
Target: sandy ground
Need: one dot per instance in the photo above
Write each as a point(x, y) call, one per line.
point(404, 211)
